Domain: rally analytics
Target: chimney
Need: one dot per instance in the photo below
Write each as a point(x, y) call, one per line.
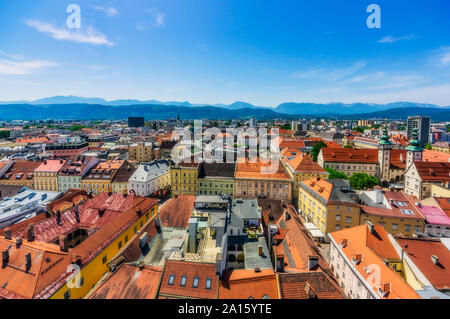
point(27, 262)
point(313, 262)
point(8, 233)
point(63, 243)
point(101, 212)
point(5, 257)
point(18, 242)
point(30, 233)
point(435, 259)
point(260, 250)
point(371, 227)
point(58, 217)
point(77, 214)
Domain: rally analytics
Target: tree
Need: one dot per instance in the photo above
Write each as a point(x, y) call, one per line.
point(5, 134)
point(363, 181)
point(428, 146)
point(361, 129)
point(316, 150)
point(335, 174)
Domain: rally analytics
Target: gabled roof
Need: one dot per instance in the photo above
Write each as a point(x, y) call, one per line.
point(47, 263)
point(433, 171)
point(374, 249)
point(421, 250)
point(308, 285)
point(129, 282)
point(192, 270)
point(177, 211)
point(245, 284)
point(259, 170)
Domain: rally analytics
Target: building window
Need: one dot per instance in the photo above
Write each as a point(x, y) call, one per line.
point(195, 284)
point(67, 294)
point(81, 282)
point(120, 244)
point(183, 281)
point(338, 218)
point(171, 279)
point(208, 283)
point(394, 226)
point(105, 258)
point(348, 219)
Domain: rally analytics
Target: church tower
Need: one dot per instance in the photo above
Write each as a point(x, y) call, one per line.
point(414, 151)
point(384, 156)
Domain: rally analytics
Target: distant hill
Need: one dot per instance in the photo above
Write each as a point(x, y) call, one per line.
point(341, 108)
point(436, 114)
point(109, 112)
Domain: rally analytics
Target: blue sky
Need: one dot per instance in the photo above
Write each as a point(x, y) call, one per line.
point(221, 51)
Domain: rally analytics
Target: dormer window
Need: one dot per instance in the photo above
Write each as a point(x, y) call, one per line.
point(171, 279)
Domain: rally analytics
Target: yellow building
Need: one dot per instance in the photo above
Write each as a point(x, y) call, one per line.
point(120, 182)
point(395, 211)
point(140, 152)
point(101, 177)
point(301, 167)
point(184, 178)
point(95, 263)
point(46, 175)
point(326, 204)
point(443, 147)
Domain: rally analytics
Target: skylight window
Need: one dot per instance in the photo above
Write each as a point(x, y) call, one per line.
point(208, 283)
point(171, 279)
point(403, 204)
point(195, 284)
point(407, 212)
point(183, 281)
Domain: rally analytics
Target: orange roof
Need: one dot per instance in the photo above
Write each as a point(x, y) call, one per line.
point(245, 284)
point(321, 186)
point(110, 164)
point(304, 164)
point(33, 140)
point(192, 270)
point(47, 263)
point(308, 285)
point(350, 155)
point(435, 156)
point(260, 170)
point(129, 282)
point(374, 248)
point(52, 166)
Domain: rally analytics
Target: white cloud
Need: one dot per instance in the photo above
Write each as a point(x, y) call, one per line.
point(23, 67)
point(158, 20)
point(109, 11)
point(92, 36)
point(444, 56)
point(329, 75)
point(392, 39)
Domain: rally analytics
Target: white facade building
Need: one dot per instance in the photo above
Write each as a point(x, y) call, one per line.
point(150, 177)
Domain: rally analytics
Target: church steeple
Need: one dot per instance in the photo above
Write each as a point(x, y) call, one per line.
point(414, 151)
point(384, 156)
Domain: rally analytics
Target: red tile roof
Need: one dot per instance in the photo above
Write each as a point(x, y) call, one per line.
point(308, 285)
point(177, 211)
point(191, 270)
point(259, 170)
point(420, 251)
point(129, 282)
point(434, 171)
point(245, 284)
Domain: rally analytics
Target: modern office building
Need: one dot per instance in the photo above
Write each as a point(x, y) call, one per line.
point(422, 124)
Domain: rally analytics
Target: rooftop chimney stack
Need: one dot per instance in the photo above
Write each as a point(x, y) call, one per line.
point(63, 243)
point(260, 250)
point(28, 262)
point(371, 227)
point(30, 233)
point(18, 242)
point(58, 217)
point(435, 259)
point(5, 258)
point(77, 214)
point(8, 234)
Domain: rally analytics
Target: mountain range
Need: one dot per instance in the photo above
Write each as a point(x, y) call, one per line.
point(74, 107)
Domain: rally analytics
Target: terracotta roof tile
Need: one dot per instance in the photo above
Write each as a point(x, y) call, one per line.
point(245, 284)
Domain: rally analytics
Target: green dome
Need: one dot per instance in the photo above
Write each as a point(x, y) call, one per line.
point(385, 137)
point(414, 144)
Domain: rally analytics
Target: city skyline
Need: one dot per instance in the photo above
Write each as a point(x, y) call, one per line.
point(205, 53)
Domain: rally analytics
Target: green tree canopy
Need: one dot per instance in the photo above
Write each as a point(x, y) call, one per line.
point(428, 146)
point(363, 181)
point(316, 150)
point(335, 174)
